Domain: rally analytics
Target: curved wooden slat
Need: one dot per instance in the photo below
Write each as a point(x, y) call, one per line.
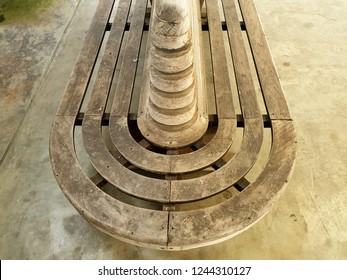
point(102, 160)
point(244, 159)
point(132, 224)
point(210, 153)
point(226, 176)
point(114, 172)
point(191, 229)
point(174, 164)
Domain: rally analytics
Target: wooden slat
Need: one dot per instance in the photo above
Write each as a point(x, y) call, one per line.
point(157, 163)
point(79, 79)
point(132, 224)
point(135, 153)
point(114, 172)
point(111, 169)
point(270, 83)
point(126, 79)
point(98, 99)
point(191, 229)
point(244, 159)
point(224, 101)
point(210, 153)
point(174, 164)
point(245, 84)
point(227, 175)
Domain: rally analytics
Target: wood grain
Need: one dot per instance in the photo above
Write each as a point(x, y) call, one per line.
point(190, 229)
point(129, 223)
point(79, 79)
point(271, 86)
point(191, 212)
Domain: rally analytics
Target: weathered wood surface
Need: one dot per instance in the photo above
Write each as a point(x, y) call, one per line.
point(111, 169)
point(128, 223)
point(216, 223)
point(172, 199)
point(270, 83)
point(224, 100)
point(174, 164)
point(76, 88)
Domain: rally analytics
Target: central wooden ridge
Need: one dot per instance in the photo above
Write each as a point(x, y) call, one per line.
point(135, 148)
point(172, 112)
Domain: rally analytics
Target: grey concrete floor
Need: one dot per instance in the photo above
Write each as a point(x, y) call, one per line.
point(308, 43)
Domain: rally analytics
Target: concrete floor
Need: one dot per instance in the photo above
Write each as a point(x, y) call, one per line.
point(308, 43)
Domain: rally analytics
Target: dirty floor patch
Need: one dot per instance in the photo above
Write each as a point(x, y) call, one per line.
point(22, 10)
point(26, 49)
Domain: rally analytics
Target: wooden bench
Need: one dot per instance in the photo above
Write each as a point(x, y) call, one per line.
point(166, 198)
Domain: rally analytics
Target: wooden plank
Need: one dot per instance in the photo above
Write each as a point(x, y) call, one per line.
point(247, 94)
point(124, 88)
point(119, 129)
point(269, 80)
point(158, 163)
point(224, 101)
point(111, 169)
point(98, 99)
point(227, 175)
point(135, 153)
point(174, 164)
point(244, 159)
point(191, 229)
point(126, 222)
point(79, 79)
point(209, 154)
point(114, 172)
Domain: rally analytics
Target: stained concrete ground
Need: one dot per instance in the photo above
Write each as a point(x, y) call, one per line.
point(308, 43)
